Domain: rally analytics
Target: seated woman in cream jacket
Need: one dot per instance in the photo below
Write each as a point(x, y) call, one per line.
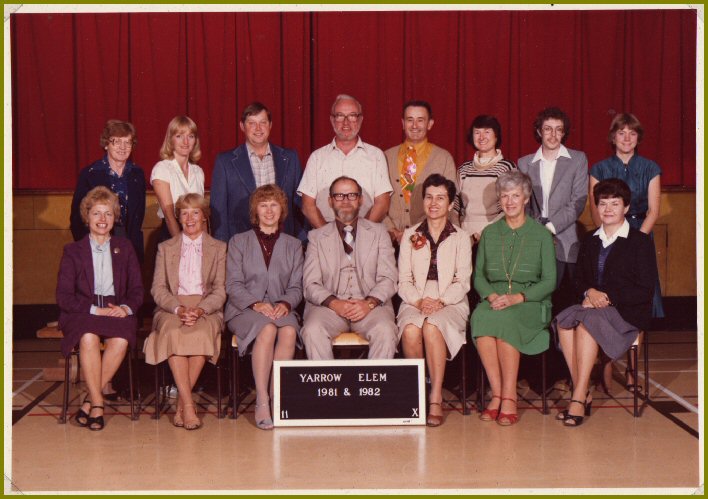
point(434, 265)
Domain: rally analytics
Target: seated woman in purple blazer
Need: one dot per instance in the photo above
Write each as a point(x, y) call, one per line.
point(99, 290)
point(264, 284)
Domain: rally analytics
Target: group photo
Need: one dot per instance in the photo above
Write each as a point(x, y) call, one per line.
point(417, 249)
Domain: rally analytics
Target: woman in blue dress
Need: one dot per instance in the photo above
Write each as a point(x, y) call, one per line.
point(643, 176)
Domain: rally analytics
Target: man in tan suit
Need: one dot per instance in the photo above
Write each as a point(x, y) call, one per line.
point(349, 278)
point(409, 164)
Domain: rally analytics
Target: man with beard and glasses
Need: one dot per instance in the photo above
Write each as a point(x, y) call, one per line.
point(349, 278)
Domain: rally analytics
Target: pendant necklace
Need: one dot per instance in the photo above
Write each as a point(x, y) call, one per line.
point(509, 276)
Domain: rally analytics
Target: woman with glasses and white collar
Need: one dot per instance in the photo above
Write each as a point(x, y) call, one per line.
point(177, 173)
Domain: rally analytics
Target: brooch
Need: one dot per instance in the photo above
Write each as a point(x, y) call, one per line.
point(116, 251)
point(418, 240)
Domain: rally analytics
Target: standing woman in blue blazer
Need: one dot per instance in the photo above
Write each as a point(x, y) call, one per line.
point(117, 172)
point(264, 286)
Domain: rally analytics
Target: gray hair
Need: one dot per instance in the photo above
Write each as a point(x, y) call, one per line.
point(513, 179)
point(342, 97)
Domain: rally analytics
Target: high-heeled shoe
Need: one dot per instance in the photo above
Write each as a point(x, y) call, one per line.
point(507, 418)
point(96, 423)
point(563, 415)
point(630, 386)
point(191, 424)
point(82, 417)
point(266, 423)
point(571, 419)
point(490, 414)
point(434, 420)
point(178, 421)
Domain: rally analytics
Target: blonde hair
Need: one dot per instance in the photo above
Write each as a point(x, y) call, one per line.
point(192, 200)
point(99, 195)
point(178, 123)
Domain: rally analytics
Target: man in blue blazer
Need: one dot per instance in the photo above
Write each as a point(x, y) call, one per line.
point(238, 172)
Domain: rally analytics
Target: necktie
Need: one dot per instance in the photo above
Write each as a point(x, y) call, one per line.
point(348, 240)
point(409, 173)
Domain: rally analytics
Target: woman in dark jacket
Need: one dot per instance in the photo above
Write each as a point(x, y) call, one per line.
point(99, 291)
point(615, 278)
point(117, 172)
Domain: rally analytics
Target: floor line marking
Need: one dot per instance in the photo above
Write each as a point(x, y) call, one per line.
point(668, 392)
point(27, 384)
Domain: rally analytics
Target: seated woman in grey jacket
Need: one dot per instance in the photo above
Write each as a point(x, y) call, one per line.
point(264, 284)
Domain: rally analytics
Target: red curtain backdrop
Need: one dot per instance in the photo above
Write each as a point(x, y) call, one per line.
point(72, 72)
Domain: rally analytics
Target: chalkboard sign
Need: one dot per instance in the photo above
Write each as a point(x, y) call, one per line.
point(349, 392)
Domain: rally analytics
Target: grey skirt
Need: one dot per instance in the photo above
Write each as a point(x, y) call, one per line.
point(607, 327)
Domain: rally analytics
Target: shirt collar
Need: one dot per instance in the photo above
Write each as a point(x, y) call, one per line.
point(419, 147)
point(623, 231)
point(359, 144)
point(99, 247)
point(192, 242)
point(251, 152)
point(340, 227)
point(105, 165)
point(562, 151)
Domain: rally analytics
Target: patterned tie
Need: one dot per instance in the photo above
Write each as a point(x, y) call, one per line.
point(348, 241)
point(409, 173)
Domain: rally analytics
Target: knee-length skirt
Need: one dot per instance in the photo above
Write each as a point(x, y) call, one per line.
point(524, 326)
point(451, 320)
point(75, 325)
point(174, 338)
point(607, 327)
point(249, 323)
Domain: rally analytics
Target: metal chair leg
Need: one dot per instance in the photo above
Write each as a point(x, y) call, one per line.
point(65, 397)
point(133, 415)
point(646, 366)
point(544, 389)
point(158, 392)
point(234, 382)
point(465, 409)
point(634, 370)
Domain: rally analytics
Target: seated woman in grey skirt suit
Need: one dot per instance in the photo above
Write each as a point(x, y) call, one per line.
point(188, 288)
point(434, 268)
point(615, 280)
point(264, 284)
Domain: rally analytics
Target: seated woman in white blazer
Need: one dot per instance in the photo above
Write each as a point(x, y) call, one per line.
point(434, 269)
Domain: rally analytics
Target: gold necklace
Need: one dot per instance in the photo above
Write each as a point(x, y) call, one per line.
point(509, 277)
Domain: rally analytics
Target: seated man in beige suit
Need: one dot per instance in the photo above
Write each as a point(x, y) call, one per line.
point(409, 164)
point(349, 278)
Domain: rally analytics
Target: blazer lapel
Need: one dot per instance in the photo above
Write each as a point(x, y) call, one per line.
point(332, 254)
point(87, 260)
point(562, 169)
point(279, 162)
point(208, 255)
point(446, 262)
point(242, 165)
point(594, 254)
point(117, 261)
point(535, 174)
point(363, 244)
point(172, 254)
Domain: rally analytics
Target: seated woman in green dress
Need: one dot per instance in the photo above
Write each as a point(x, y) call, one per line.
point(515, 274)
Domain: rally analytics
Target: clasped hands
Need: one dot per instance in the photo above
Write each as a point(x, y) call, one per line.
point(189, 316)
point(429, 305)
point(500, 302)
point(112, 311)
point(352, 310)
point(596, 299)
point(272, 311)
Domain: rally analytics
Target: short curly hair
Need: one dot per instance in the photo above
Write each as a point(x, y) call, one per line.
point(266, 193)
point(551, 113)
point(99, 195)
point(117, 128)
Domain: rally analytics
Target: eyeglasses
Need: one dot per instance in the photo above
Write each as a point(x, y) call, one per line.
point(340, 117)
point(549, 130)
point(339, 196)
point(122, 143)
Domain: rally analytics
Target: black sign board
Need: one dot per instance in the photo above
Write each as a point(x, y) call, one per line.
point(349, 392)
